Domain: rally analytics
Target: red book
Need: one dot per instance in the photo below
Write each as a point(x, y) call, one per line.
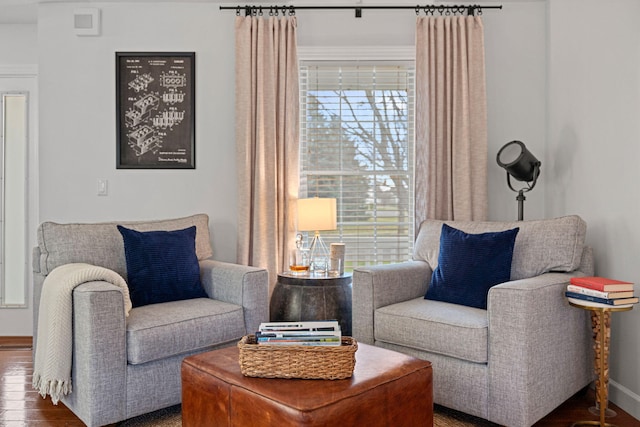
point(602, 284)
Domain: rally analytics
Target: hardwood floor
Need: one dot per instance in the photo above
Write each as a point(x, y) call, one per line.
point(21, 406)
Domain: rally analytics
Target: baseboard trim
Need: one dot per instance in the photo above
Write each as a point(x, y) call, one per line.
point(624, 398)
point(13, 343)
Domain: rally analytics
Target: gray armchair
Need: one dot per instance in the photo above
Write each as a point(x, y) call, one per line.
point(512, 363)
point(127, 366)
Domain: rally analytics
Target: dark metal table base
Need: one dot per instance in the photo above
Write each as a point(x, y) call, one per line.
point(312, 298)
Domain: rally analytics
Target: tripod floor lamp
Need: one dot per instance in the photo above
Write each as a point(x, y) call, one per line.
point(522, 166)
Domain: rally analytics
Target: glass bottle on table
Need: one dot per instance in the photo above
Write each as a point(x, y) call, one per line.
point(299, 260)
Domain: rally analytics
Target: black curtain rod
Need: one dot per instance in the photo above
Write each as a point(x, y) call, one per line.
point(428, 9)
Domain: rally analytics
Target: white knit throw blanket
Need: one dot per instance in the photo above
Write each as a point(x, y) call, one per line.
point(52, 369)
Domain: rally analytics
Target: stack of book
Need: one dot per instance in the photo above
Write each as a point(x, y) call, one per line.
point(600, 292)
point(322, 333)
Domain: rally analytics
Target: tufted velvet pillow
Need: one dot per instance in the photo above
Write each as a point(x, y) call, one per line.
point(470, 264)
point(162, 266)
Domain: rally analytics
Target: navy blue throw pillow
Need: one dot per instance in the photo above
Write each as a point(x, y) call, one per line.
point(162, 266)
point(470, 264)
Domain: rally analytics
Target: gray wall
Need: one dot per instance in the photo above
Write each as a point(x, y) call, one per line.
point(515, 50)
point(18, 66)
point(77, 144)
point(77, 126)
point(19, 44)
point(561, 77)
point(593, 151)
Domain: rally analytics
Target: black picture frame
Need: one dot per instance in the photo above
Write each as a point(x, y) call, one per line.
point(155, 110)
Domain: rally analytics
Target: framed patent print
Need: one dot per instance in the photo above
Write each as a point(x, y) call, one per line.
point(155, 110)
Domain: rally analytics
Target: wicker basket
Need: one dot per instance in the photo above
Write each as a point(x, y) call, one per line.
point(299, 361)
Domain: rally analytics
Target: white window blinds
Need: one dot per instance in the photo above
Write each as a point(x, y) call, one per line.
point(357, 145)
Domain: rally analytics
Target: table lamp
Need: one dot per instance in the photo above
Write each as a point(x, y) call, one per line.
point(317, 214)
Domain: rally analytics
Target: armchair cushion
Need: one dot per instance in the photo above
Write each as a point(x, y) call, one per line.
point(437, 327)
point(159, 331)
point(470, 264)
point(541, 245)
point(162, 266)
point(101, 244)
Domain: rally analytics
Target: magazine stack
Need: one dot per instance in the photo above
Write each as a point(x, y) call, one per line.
point(601, 292)
point(317, 333)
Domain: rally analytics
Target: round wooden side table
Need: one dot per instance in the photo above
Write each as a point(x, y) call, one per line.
point(312, 298)
point(601, 325)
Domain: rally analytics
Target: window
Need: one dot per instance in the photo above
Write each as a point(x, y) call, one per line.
point(357, 146)
point(14, 127)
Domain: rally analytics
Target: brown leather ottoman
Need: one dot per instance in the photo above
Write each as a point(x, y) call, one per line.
point(387, 389)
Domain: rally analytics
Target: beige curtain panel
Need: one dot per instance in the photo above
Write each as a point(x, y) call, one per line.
point(451, 119)
point(267, 129)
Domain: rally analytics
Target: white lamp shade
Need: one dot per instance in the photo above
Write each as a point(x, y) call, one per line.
point(317, 214)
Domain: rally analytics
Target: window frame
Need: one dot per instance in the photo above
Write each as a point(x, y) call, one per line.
point(366, 56)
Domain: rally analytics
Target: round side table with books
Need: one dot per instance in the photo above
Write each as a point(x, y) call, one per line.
point(601, 324)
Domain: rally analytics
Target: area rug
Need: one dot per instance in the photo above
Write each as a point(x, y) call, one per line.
point(170, 417)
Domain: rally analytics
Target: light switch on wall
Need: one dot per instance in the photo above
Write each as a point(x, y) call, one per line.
point(103, 187)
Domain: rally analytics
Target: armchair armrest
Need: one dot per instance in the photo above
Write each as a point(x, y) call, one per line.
point(538, 346)
point(238, 284)
point(99, 354)
point(381, 285)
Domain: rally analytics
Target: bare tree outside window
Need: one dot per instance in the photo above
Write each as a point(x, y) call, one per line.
point(357, 146)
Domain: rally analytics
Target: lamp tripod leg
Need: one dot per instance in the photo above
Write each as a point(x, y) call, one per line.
point(318, 247)
point(520, 198)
